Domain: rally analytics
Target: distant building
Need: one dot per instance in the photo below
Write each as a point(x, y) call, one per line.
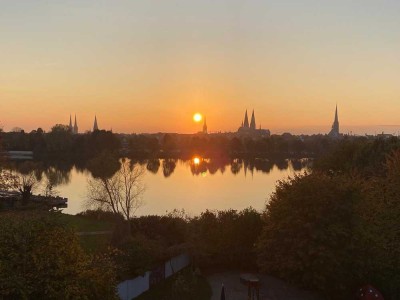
point(73, 129)
point(205, 126)
point(334, 133)
point(253, 121)
point(95, 126)
point(251, 129)
point(75, 126)
point(384, 135)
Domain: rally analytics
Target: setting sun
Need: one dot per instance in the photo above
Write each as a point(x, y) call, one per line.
point(197, 117)
point(196, 160)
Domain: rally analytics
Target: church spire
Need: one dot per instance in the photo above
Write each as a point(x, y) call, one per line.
point(70, 123)
point(335, 126)
point(246, 120)
point(75, 126)
point(205, 126)
point(253, 121)
point(336, 116)
point(95, 126)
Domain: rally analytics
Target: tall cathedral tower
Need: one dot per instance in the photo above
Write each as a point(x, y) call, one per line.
point(253, 121)
point(71, 129)
point(95, 126)
point(75, 131)
point(246, 120)
point(335, 126)
point(205, 126)
point(251, 130)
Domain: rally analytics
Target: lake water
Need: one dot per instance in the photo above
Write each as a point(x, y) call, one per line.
point(194, 185)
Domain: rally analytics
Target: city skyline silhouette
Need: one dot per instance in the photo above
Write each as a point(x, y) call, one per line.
point(146, 68)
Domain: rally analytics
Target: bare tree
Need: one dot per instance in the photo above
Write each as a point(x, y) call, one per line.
point(122, 193)
point(48, 189)
point(24, 178)
point(26, 184)
point(8, 180)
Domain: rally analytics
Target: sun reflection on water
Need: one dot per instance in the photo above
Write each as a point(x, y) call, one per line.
point(196, 160)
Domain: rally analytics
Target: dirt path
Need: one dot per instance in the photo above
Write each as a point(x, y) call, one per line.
point(271, 288)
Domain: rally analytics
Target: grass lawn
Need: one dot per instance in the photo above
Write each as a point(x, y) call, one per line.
point(91, 243)
point(81, 224)
point(184, 285)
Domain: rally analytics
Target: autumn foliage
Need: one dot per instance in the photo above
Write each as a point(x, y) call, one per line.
point(336, 229)
point(41, 259)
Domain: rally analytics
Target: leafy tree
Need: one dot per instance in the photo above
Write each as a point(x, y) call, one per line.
point(102, 141)
point(366, 156)
point(25, 178)
point(41, 259)
point(169, 143)
point(225, 238)
point(379, 229)
point(139, 254)
point(58, 140)
point(236, 145)
point(310, 233)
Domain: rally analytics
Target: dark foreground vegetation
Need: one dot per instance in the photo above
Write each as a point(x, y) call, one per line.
point(41, 258)
point(331, 230)
point(337, 228)
point(221, 240)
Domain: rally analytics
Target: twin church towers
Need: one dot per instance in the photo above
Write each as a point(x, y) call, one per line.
point(245, 128)
point(250, 129)
point(74, 129)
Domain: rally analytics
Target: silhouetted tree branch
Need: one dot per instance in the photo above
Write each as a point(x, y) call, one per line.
point(121, 193)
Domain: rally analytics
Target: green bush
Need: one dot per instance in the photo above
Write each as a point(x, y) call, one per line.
point(309, 236)
point(226, 238)
point(336, 231)
point(380, 229)
point(41, 259)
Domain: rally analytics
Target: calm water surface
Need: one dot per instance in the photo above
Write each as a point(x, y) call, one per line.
point(194, 187)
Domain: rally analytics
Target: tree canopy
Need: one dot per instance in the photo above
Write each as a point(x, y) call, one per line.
point(41, 259)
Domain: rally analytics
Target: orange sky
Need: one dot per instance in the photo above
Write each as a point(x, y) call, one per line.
point(146, 66)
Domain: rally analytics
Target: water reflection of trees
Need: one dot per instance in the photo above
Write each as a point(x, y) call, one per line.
point(213, 166)
point(104, 166)
point(246, 165)
point(168, 167)
point(300, 164)
point(60, 173)
point(282, 164)
point(199, 168)
point(236, 166)
point(153, 165)
point(263, 165)
point(56, 174)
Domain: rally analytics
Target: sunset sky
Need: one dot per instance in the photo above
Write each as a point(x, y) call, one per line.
point(147, 66)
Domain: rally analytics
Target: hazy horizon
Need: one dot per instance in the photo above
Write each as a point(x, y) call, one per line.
point(147, 66)
point(305, 130)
